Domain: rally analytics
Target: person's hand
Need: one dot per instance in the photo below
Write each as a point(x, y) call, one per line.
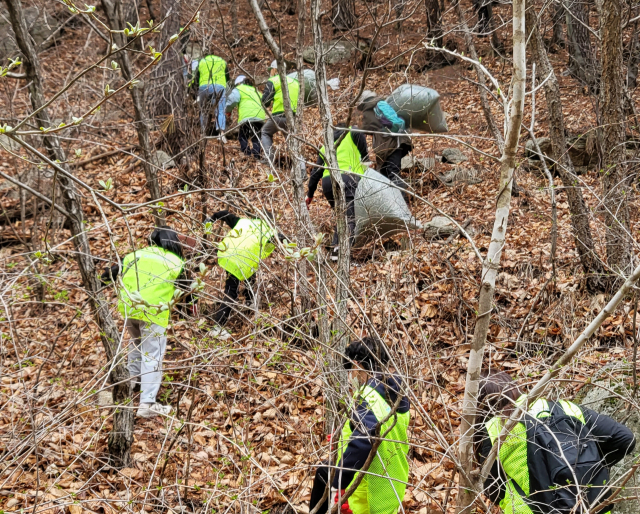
point(344, 508)
point(308, 201)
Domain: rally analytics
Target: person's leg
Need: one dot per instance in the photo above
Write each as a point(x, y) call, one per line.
point(244, 135)
point(318, 490)
point(230, 297)
point(153, 346)
point(268, 131)
point(221, 103)
point(134, 356)
point(256, 128)
point(204, 101)
point(250, 289)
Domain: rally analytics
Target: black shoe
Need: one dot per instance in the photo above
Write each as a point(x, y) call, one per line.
point(136, 387)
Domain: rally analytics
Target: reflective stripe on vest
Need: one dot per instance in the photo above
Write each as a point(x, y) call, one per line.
point(151, 272)
point(513, 451)
point(250, 103)
point(348, 155)
point(382, 491)
point(212, 70)
point(278, 99)
point(244, 247)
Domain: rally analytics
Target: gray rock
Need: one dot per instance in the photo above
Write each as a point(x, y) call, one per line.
point(460, 175)
point(335, 51)
point(439, 228)
point(410, 162)
point(453, 156)
point(606, 401)
point(40, 25)
point(163, 160)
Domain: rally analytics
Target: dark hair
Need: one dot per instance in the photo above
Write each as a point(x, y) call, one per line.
point(249, 81)
point(167, 238)
point(497, 392)
point(369, 352)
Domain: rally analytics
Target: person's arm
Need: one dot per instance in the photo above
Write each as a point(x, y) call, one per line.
point(360, 140)
point(229, 218)
point(110, 274)
point(268, 94)
point(363, 423)
point(614, 439)
point(494, 485)
point(227, 76)
point(316, 176)
point(233, 100)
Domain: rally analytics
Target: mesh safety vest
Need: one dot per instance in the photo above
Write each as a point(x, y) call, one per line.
point(348, 155)
point(212, 70)
point(250, 103)
point(278, 99)
point(244, 246)
point(151, 272)
point(513, 452)
point(382, 491)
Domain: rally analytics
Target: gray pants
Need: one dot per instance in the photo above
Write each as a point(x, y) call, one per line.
point(269, 129)
point(145, 356)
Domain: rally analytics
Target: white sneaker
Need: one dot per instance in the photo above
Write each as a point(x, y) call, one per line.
point(151, 410)
point(334, 254)
point(218, 332)
point(223, 139)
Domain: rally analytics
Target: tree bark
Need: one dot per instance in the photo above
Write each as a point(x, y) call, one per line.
point(114, 12)
point(340, 334)
point(467, 489)
point(121, 436)
point(582, 61)
point(167, 99)
point(557, 35)
point(343, 14)
point(582, 236)
point(434, 22)
point(615, 179)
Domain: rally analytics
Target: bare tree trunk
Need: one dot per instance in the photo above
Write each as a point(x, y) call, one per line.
point(343, 14)
point(344, 252)
point(167, 99)
point(634, 60)
point(434, 22)
point(235, 34)
point(557, 36)
point(582, 61)
point(113, 10)
point(615, 180)
point(482, 82)
point(583, 239)
point(121, 436)
point(491, 265)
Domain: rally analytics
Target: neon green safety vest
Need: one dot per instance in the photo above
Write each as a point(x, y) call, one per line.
point(382, 491)
point(250, 103)
point(513, 452)
point(212, 70)
point(278, 99)
point(151, 272)
point(348, 157)
point(244, 246)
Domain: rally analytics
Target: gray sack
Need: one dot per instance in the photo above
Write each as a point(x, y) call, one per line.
point(310, 93)
point(420, 108)
point(381, 212)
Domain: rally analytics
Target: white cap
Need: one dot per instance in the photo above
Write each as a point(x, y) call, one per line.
point(274, 65)
point(239, 80)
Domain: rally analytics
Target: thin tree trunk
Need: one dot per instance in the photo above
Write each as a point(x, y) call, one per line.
point(615, 180)
point(343, 14)
point(113, 10)
point(634, 60)
point(557, 37)
point(344, 252)
point(491, 265)
point(482, 87)
point(583, 239)
point(582, 62)
point(121, 436)
point(434, 22)
point(167, 99)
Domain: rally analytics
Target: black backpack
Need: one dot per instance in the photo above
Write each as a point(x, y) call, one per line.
point(561, 455)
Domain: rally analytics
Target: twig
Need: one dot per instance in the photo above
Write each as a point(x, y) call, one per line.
point(100, 156)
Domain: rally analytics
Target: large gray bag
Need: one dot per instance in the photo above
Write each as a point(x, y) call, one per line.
point(381, 212)
point(310, 93)
point(419, 107)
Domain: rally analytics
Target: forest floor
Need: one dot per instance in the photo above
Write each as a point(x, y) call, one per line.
point(254, 406)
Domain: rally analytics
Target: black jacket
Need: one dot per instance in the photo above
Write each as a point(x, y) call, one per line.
point(363, 424)
point(614, 441)
point(360, 140)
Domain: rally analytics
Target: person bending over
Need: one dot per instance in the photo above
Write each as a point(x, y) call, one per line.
point(211, 77)
point(378, 397)
point(251, 115)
